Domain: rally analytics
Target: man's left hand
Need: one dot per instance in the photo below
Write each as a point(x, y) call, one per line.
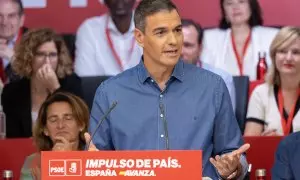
point(228, 165)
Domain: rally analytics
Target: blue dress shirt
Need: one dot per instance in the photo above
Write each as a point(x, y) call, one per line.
point(195, 104)
point(287, 159)
point(228, 79)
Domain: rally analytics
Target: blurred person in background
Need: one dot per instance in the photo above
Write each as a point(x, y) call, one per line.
point(44, 63)
point(236, 44)
point(274, 106)
point(191, 51)
point(61, 124)
point(286, 164)
point(105, 45)
point(11, 30)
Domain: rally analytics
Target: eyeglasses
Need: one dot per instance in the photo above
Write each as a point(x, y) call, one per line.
point(44, 55)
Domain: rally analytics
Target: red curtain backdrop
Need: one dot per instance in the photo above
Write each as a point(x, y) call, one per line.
point(59, 15)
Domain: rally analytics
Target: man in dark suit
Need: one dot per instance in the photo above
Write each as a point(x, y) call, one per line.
point(11, 29)
point(287, 158)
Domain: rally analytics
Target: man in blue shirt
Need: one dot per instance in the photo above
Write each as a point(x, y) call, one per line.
point(287, 158)
point(164, 103)
point(191, 51)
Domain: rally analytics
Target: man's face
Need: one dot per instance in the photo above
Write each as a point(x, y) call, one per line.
point(162, 39)
point(191, 48)
point(120, 7)
point(10, 19)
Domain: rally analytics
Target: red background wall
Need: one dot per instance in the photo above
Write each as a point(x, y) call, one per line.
point(62, 18)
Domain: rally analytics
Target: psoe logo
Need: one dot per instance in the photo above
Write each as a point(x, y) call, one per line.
point(69, 167)
point(57, 168)
point(73, 167)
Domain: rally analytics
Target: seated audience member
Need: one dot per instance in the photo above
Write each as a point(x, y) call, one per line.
point(191, 51)
point(274, 106)
point(1, 89)
point(61, 124)
point(11, 31)
point(105, 45)
point(286, 165)
point(43, 62)
point(236, 44)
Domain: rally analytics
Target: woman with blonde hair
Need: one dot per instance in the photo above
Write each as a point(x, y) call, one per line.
point(274, 105)
point(61, 124)
point(44, 64)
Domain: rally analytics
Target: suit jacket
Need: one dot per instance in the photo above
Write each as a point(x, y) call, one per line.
point(286, 165)
point(16, 102)
point(12, 76)
point(215, 43)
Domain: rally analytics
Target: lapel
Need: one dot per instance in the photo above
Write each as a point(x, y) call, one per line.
point(255, 45)
point(224, 42)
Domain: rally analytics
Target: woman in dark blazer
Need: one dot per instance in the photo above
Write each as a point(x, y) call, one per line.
point(44, 63)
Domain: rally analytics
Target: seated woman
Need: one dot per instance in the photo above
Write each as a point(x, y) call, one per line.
point(274, 106)
point(236, 44)
point(43, 62)
point(61, 124)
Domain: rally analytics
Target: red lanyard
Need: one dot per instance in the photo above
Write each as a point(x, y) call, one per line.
point(114, 52)
point(286, 124)
point(240, 58)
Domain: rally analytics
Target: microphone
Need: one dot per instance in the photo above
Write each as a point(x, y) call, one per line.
point(162, 110)
point(114, 104)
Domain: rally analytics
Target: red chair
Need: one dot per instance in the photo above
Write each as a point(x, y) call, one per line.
point(262, 152)
point(13, 153)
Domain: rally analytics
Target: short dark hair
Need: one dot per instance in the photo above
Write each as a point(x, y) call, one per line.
point(190, 22)
point(150, 7)
point(21, 7)
point(255, 18)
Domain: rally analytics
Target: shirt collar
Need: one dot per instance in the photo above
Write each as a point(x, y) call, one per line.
point(112, 27)
point(12, 42)
point(178, 71)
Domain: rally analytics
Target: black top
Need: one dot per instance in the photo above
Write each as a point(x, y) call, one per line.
point(16, 102)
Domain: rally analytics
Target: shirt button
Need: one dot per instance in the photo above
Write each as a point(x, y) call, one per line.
point(161, 115)
point(162, 135)
point(152, 80)
point(161, 96)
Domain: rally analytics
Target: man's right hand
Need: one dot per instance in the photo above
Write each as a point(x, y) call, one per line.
point(89, 142)
point(62, 144)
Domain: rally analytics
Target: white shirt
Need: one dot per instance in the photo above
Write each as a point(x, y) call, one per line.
point(11, 45)
point(94, 56)
point(232, 66)
point(217, 50)
point(263, 108)
point(34, 116)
